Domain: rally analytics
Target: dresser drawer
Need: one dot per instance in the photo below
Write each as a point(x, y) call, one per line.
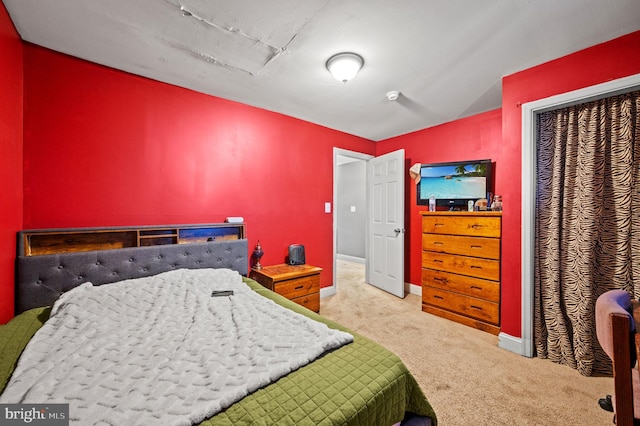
point(310, 301)
point(488, 248)
point(465, 305)
point(472, 225)
point(475, 287)
point(298, 287)
point(464, 265)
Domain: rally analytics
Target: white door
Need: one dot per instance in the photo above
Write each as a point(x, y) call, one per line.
point(385, 245)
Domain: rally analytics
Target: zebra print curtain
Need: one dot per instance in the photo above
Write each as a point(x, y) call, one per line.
point(587, 224)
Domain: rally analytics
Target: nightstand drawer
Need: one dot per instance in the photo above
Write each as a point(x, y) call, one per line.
point(465, 305)
point(475, 287)
point(488, 248)
point(298, 287)
point(310, 301)
point(465, 265)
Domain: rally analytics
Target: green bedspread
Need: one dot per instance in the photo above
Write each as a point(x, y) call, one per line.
point(359, 384)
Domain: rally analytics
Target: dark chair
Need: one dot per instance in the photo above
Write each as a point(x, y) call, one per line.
point(616, 331)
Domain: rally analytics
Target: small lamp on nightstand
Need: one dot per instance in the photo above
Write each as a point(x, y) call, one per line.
point(257, 254)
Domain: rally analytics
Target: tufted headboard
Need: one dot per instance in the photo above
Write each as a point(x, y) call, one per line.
point(40, 280)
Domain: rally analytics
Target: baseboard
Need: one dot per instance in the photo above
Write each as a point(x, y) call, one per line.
point(327, 291)
point(413, 289)
point(350, 258)
point(408, 288)
point(510, 343)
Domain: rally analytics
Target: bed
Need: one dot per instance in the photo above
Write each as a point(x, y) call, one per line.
point(359, 383)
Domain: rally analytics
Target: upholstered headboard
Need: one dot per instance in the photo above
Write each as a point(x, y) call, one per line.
point(40, 280)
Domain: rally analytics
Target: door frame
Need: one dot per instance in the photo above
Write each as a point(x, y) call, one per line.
point(329, 291)
point(530, 111)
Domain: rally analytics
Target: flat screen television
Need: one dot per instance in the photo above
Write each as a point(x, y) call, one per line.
point(453, 184)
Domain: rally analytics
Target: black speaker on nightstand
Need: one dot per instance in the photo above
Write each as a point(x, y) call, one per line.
point(296, 254)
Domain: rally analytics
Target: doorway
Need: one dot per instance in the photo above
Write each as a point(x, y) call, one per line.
point(383, 210)
point(350, 210)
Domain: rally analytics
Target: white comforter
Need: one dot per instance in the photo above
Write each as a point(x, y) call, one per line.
point(161, 350)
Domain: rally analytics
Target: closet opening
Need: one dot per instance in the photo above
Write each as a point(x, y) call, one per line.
point(530, 111)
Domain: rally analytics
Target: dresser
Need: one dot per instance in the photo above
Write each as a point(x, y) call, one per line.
point(461, 267)
point(298, 283)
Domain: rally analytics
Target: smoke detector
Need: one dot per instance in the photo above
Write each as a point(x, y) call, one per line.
point(393, 95)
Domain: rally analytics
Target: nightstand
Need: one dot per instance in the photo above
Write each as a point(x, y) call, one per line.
point(298, 283)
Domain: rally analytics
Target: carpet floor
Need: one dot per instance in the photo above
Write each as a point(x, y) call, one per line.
point(467, 378)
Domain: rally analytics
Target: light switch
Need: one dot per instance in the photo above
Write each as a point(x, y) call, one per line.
point(353, 209)
point(327, 207)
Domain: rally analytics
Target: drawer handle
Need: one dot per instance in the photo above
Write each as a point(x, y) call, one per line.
point(438, 297)
point(476, 226)
point(438, 243)
point(476, 247)
point(476, 267)
point(438, 224)
point(437, 260)
point(475, 287)
point(442, 280)
point(299, 287)
point(476, 307)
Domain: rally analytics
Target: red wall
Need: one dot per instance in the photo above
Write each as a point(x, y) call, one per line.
point(11, 112)
point(104, 147)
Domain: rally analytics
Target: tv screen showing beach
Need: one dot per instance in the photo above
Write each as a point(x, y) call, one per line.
point(459, 181)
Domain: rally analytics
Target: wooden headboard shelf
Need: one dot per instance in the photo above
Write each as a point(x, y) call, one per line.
point(53, 241)
point(53, 261)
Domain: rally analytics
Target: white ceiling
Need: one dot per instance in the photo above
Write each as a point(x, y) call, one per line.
point(446, 57)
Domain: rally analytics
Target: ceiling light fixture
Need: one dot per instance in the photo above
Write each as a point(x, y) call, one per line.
point(344, 66)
